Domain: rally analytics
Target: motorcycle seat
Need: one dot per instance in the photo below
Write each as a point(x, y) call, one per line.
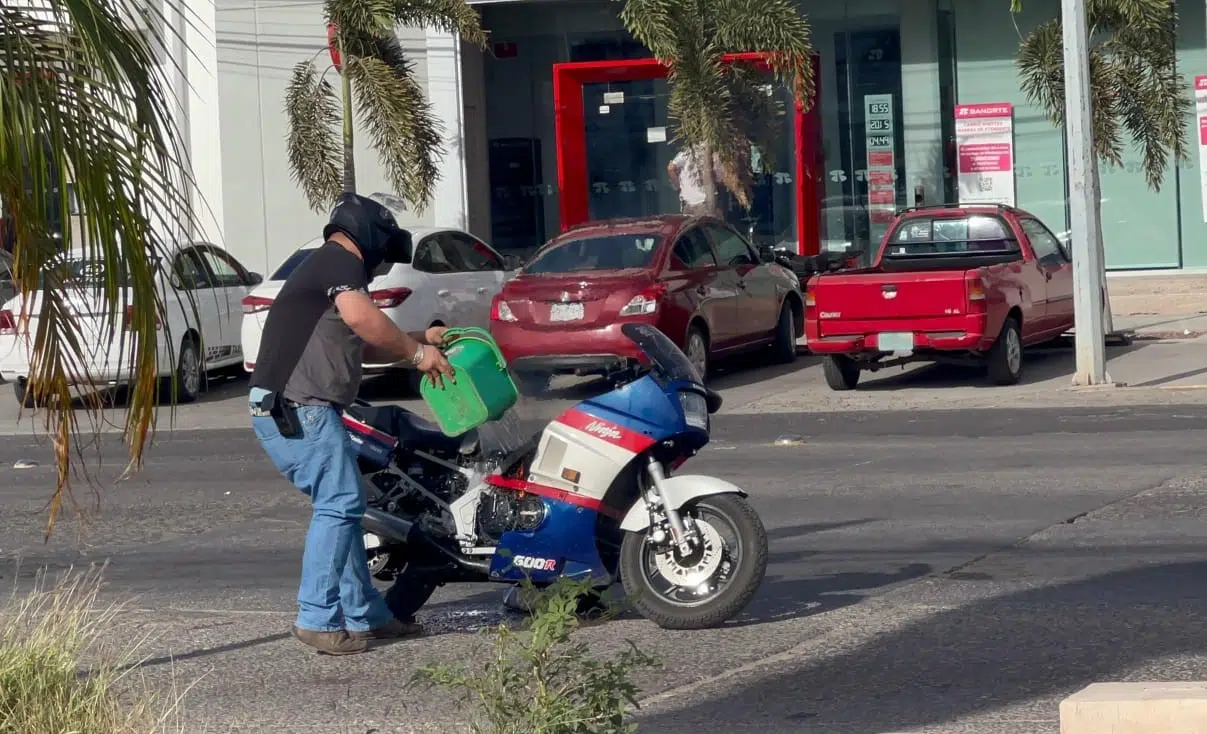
point(412, 431)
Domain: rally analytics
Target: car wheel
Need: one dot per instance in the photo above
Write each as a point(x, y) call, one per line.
point(1005, 360)
point(189, 377)
point(784, 347)
point(841, 372)
point(697, 351)
point(25, 394)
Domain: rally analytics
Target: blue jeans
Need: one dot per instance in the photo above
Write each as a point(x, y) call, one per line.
point(336, 591)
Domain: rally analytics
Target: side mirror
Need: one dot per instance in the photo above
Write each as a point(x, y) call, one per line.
point(766, 254)
point(254, 279)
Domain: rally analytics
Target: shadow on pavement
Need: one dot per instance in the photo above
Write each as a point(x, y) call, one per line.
point(1006, 650)
point(222, 385)
point(1039, 365)
point(779, 599)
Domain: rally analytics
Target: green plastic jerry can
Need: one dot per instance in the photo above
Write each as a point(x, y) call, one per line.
point(481, 390)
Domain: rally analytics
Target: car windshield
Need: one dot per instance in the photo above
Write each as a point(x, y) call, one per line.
point(609, 252)
point(662, 352)
point(977, 234)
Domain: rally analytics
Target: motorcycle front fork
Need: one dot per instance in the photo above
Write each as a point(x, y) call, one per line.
point(655, 500)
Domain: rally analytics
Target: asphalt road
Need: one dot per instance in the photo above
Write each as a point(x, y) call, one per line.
point(933, 571)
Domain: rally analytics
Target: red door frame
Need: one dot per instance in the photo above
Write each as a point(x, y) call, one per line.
point(570, 128)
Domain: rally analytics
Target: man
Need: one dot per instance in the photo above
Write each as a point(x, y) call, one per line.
point(308, 369)
point(684, 172)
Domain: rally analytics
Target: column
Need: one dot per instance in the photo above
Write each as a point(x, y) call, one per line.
point(200, 125)
point(449, 206)
point(921, 122)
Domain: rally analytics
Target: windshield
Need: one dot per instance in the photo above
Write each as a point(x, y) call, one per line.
point(610, 252)
point(662, 352)
point(971, 235)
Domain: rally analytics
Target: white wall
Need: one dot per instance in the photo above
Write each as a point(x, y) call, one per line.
point(265, 216)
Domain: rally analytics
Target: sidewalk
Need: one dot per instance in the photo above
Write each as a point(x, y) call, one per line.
point(1159, 306)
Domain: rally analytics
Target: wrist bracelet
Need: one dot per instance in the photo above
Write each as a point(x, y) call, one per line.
point(417, 357)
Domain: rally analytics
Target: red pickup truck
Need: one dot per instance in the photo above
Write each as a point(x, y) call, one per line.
point(969, 285)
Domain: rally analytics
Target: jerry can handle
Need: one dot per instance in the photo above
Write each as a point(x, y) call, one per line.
point(473, 333)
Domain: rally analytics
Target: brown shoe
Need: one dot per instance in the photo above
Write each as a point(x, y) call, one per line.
point(330, 643)
point(391, 630)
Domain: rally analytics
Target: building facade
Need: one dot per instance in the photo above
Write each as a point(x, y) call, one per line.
point(501, 176)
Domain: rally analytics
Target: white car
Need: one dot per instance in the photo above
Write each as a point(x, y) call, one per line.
point(202, 290)
point(449, 280)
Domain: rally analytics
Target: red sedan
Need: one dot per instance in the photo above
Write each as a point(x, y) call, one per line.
point(696, 279)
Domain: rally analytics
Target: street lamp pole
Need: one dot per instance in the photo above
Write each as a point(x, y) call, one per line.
point(1085, 230)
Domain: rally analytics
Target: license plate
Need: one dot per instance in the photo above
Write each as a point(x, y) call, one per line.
point(896, 341)
point(565, 312)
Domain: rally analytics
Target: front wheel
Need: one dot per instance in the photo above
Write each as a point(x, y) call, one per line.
point(711, 584)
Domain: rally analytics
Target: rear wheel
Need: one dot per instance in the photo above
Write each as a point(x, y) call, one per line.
point(189, 375)
point(24, 393)
point(1005, 360)
point(784, 347)
point(410, 589)
point(709, 585)
point(841, 372)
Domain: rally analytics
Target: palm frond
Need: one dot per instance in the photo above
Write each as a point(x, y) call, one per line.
point(661, 25)
point(1136, 91)
point(716, 108)
point(450, 16)
point(775, 27)
point(365, 17)
point(83, 100)
point(314, 149)
point(399, 121)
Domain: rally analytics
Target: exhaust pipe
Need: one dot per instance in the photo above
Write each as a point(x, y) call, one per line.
point(400, 530)
point(390, 526)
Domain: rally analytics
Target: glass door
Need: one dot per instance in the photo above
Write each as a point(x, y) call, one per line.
point(868, 65)
point(627, 149)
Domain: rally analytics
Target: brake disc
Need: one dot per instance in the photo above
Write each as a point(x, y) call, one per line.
point(705, 561)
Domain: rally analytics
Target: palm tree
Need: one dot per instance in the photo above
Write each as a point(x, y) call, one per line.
point(83, 100)
point(718, 109)
point(376, 74)
point(1135, 86)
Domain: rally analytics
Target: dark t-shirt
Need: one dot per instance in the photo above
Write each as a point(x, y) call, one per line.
point(307, 352)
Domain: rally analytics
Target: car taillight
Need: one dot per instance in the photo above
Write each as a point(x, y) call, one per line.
point(810, 301)
point(390, 297)
point(645, 302)
point(8, 324)
point(499, 310)
point(976, 294)
point(128, 321)
point(255, 304)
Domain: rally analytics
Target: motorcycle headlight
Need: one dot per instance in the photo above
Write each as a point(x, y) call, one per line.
point(695, 409)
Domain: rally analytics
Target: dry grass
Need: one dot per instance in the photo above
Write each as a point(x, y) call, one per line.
point(62, 673)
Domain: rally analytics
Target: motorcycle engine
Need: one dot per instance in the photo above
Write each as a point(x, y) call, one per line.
point(503, 510)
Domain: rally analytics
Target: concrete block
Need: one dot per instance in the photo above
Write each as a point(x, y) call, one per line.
point(1136, 708)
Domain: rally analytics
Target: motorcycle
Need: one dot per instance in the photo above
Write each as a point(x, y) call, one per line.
point(592, 495)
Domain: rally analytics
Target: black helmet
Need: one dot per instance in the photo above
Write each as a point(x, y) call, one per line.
point(372, 227)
